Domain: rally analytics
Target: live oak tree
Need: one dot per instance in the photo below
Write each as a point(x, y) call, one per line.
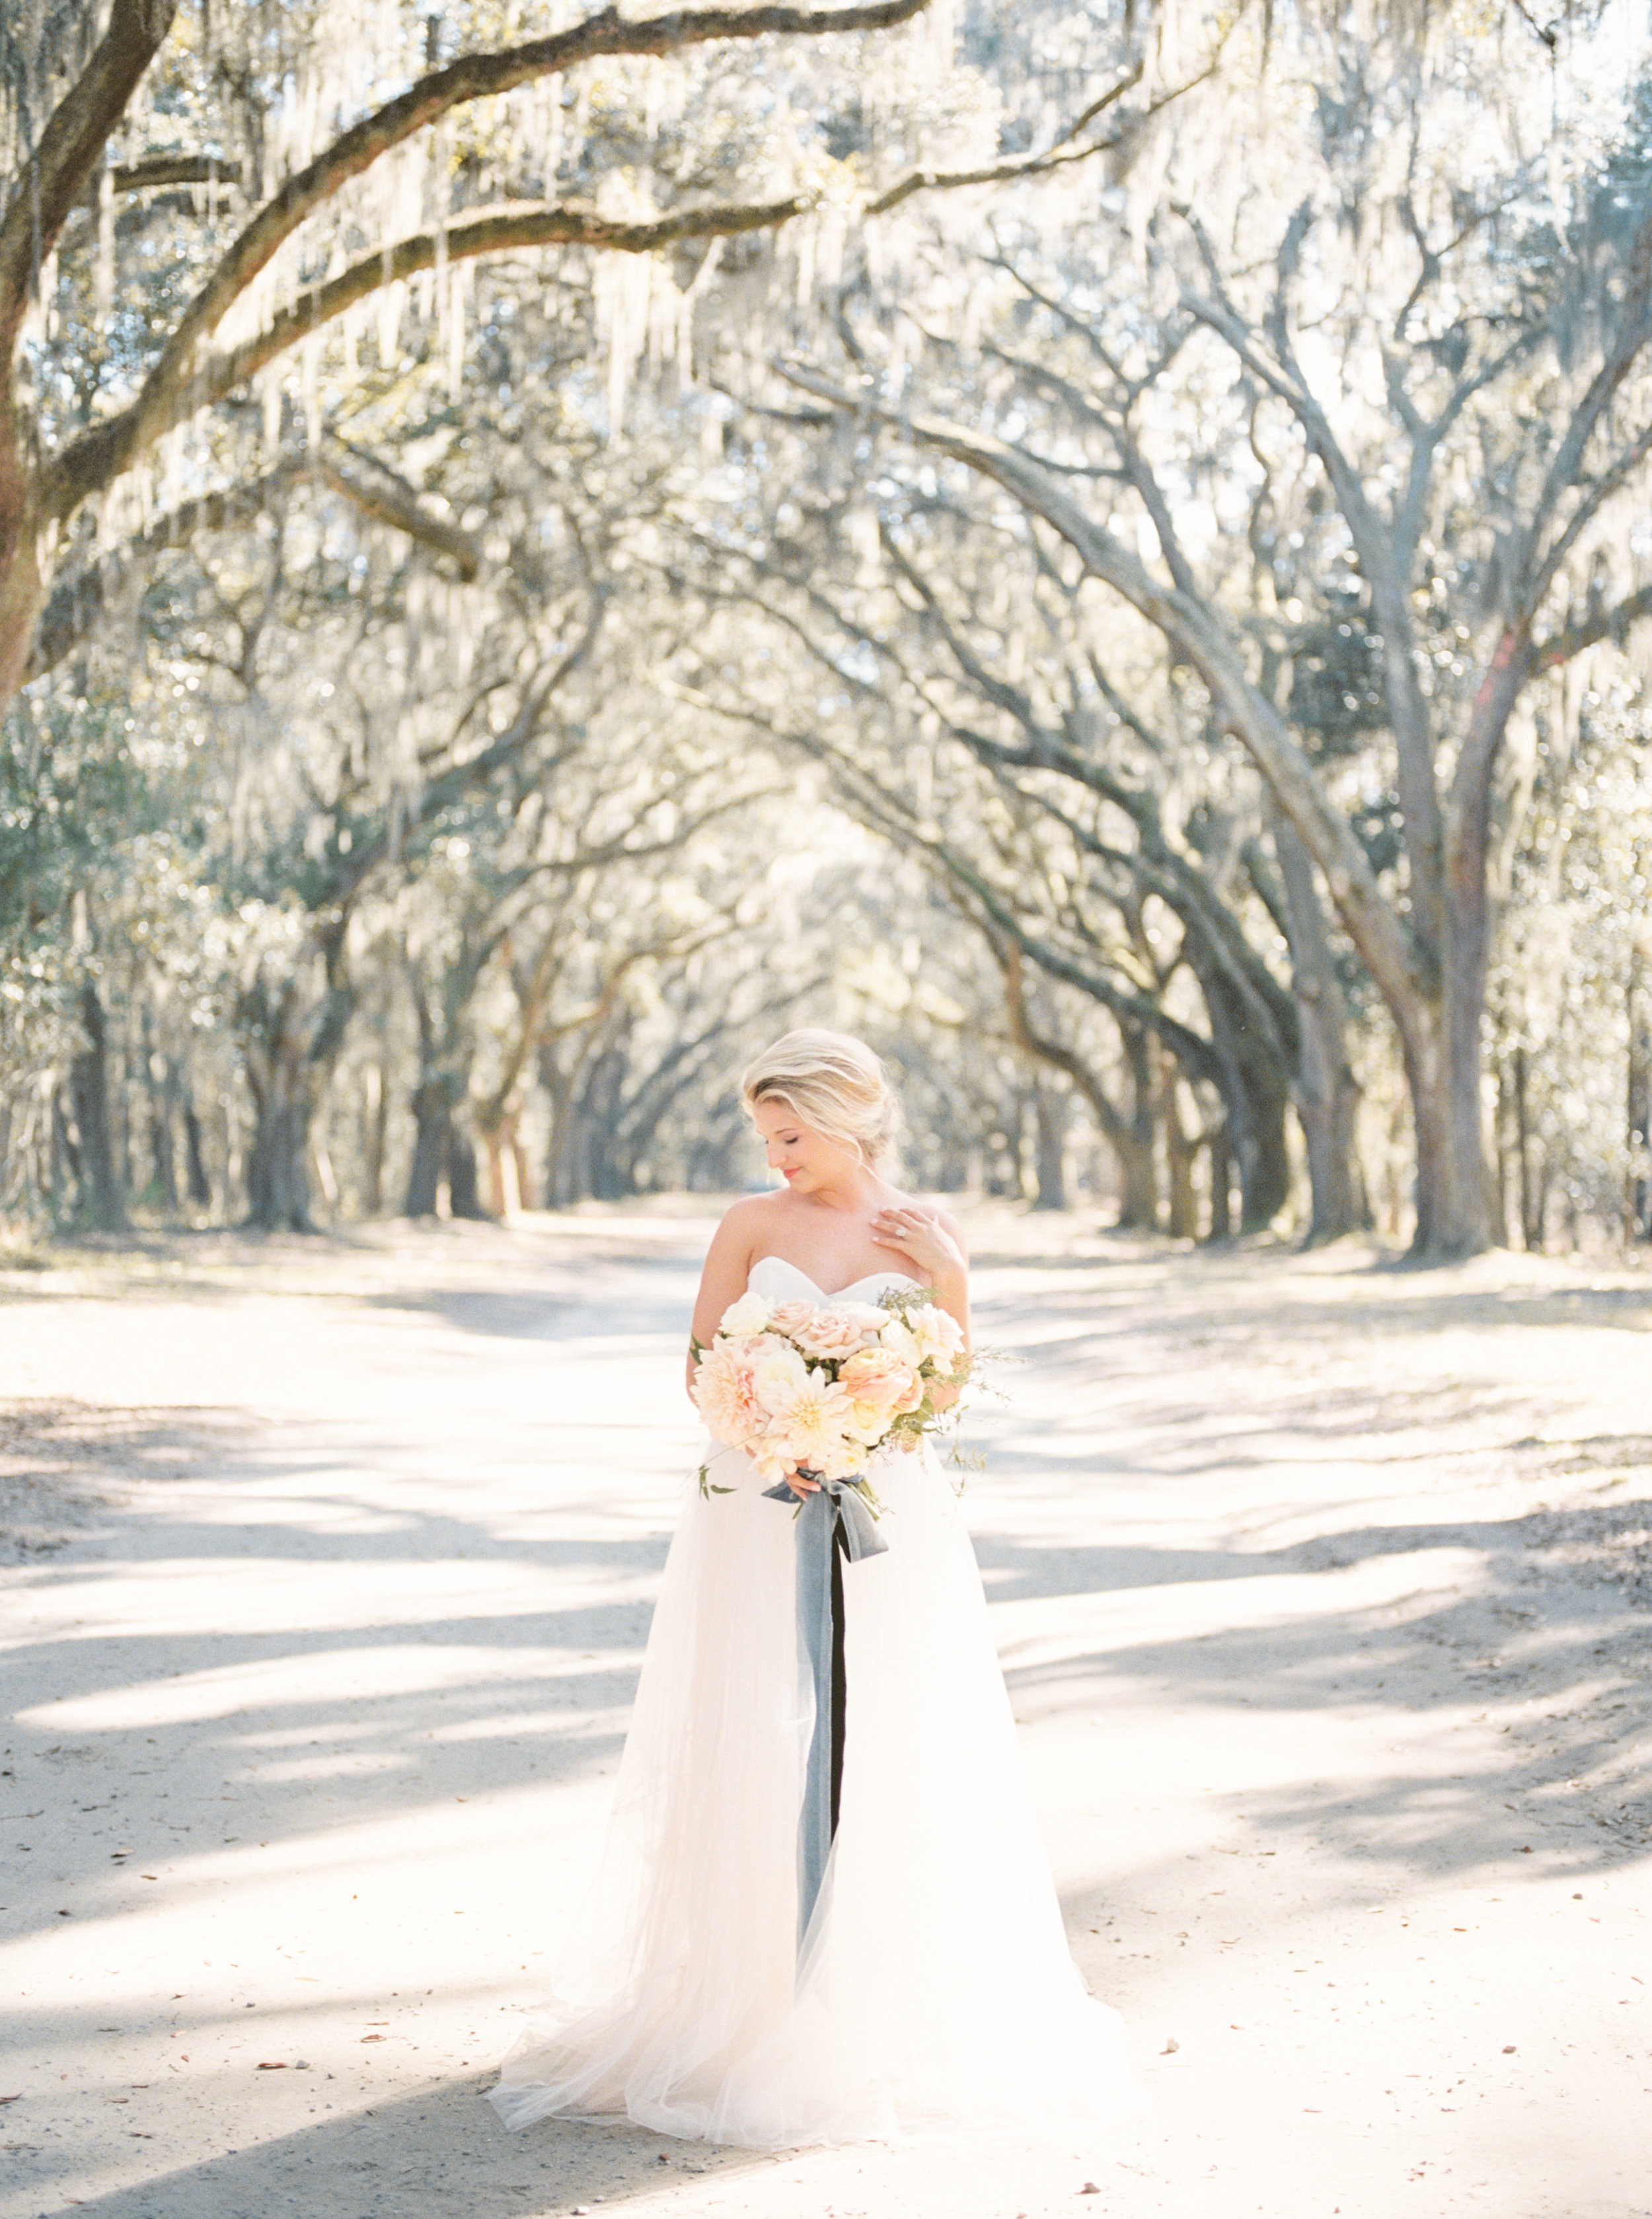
point(197, 200)
point(1570, 1006)
point(314, 229)
point(1004, 784)
point(325, 175)
point(1370, 356)
point(555, 895)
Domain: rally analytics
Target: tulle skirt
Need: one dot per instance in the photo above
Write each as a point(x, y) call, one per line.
point(934, 1987)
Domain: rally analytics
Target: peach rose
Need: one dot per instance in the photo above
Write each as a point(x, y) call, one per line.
point(880, 1385)
point(830, 1335)
point(789, 1318)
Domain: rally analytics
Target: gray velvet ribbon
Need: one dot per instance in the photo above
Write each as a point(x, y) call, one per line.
point(837, 1503)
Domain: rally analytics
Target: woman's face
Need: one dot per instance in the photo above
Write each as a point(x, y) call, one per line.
point(806, 1160)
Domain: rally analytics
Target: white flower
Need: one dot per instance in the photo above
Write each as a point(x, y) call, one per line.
point(771, 1453)
point(939, 1337)
point(898, 1337)
point(777, 1374)
point(871, 1317)
point(751, 1314)
point(840, 1457)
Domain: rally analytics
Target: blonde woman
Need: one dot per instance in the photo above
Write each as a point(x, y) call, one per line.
point(926, 1982)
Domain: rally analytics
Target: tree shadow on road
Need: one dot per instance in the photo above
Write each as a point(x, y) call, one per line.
point(351, 1685)
point(1540, 1639)
point(436, 2148)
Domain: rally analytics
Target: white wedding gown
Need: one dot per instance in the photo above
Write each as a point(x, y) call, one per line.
point(934, 1987)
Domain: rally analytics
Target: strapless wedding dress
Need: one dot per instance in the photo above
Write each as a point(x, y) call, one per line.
point(934, 1986)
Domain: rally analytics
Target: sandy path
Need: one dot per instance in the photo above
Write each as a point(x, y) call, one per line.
point(1323, 1594)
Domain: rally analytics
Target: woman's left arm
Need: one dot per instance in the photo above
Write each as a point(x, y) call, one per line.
point(934, 1243)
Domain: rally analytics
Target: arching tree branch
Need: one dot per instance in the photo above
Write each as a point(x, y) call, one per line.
point(174, 170)
point(1394, 961)
point(97, 457)
point(78, 606)
point(74, 135)
point(470, 77)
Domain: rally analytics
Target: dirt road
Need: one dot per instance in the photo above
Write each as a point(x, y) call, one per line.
point(1324, 1593)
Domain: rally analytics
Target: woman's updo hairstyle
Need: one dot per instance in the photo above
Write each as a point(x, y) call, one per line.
point(834, 1082)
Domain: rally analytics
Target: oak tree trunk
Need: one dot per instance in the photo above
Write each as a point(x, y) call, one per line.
point(199, 1186)
point(100, 1200)
point(1221, 1181)
point(291, 1042)
point(1049, 1145)
point(463, 1185)
point(163, 1094)
point(375, 1102)
point(1639, 1091)
point(23, 585)
point(1255, 1088)
point(278, 1174)
point(1453, 1193)
point(506, 1180)
point(1133, 1144)
point(1181, 1152)
point(432, 1112)
point(1326, 1093)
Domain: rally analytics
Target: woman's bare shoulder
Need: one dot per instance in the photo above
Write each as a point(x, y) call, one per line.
point(751, 1209)
point(743, 1226)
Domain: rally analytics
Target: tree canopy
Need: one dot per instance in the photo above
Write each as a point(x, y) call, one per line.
point(1103, 546)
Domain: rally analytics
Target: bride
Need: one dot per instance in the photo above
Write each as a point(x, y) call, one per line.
point(931, 1986)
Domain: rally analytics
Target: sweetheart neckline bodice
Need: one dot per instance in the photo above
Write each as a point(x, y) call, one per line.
point(869, 1279)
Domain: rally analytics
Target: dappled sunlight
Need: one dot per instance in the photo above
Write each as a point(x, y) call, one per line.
point(320, 1714)
point(315, 1677)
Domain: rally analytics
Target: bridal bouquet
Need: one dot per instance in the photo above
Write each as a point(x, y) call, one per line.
point(817, 1388)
